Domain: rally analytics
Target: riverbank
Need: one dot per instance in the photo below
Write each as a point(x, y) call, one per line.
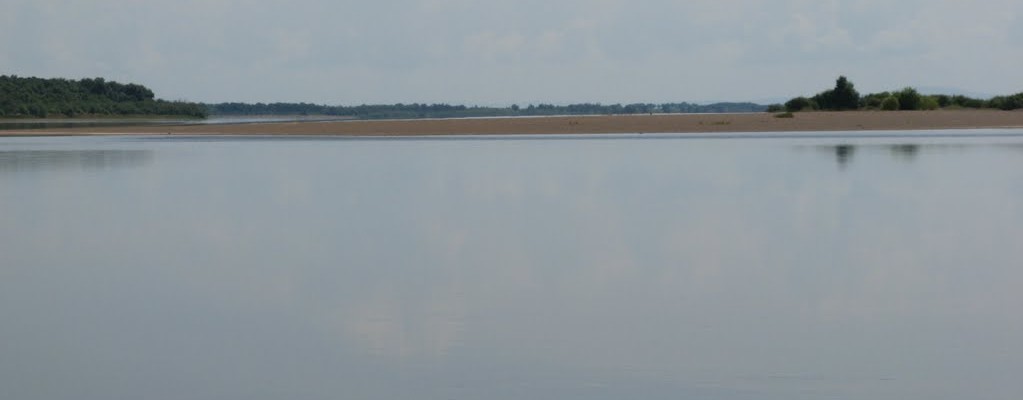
point(662, 123)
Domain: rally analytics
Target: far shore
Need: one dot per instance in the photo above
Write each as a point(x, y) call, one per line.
point(622, 124)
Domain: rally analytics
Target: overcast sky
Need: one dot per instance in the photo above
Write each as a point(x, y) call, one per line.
point(503, 52)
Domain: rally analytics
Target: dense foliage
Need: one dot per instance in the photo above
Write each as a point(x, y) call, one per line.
point(845, 97)
point(1014, 102)
point(41, 98)
point(800, 104)
point(403, 111)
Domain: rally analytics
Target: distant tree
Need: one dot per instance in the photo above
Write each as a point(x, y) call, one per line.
point(773, 108)
point(37, 97)
point(799, 104)
point(138, 92)
point(416, 110)
point(37, 110)
point(997, 102)
point(909, 99)
point(1014, 102)
point(890, 104)
point(874, 101)
point(843, 97)
point(967, 102)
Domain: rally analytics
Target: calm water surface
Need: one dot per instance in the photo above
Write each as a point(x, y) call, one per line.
point(58, 123)
point(805, 267)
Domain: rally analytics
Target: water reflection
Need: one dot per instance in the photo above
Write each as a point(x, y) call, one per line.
point(14, 161)
point(568, 269)
point(908, 152)
point(60, 123)
point(86, 123)
point(844, 154)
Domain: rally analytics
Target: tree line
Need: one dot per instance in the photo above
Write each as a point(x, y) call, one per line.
point(416, 110)
point(845, 97)
point(41, 98)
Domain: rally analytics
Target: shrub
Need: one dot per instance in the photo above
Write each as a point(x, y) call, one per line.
point(890, 104)
point(909, 99)
point(967, 102)
point(843, 97)
point(38, 110)
point(874, 100)
point(1014, 102)
point(773, 108)
point(928, 103)
point(799, 104)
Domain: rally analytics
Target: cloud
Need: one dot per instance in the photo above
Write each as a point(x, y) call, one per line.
point(502, 52)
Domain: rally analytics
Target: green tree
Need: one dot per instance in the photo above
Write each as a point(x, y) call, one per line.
point(800, 104)
point(1014, 102)
point(22, 97)
point(909, 99)
point(890, 104)
point(37, 110)
point(967, 102)
point(843, 97)
point(874, 100)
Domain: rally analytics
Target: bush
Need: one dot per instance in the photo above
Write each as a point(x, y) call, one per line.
point(41, 98)
point(967, 102)
point(1014, 102)
point(874, 100)
point(773, 108)
point(38, 110)
point(843, 97)
point(890, 104)
point(799, 104)
point(909, 99)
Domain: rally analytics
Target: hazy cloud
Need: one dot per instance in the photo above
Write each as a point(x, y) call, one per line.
point(466, 51)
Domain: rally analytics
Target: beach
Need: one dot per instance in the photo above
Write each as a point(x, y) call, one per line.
point(603, 124)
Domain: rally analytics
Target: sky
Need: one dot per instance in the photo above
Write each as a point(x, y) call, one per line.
point(522, 52)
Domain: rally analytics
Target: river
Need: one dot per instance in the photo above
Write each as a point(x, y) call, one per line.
point(811, 266)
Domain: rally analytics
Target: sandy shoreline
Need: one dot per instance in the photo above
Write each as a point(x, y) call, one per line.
point(676, 123)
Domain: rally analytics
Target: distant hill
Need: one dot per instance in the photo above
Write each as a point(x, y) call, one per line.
point(40, 98)
point(410, 111)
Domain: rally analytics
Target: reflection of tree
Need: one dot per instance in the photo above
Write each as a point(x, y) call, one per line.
point(844, 154)
point(18, 161)
point(905, 151)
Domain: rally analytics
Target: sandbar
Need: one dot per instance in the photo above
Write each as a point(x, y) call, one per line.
point(623, 124)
